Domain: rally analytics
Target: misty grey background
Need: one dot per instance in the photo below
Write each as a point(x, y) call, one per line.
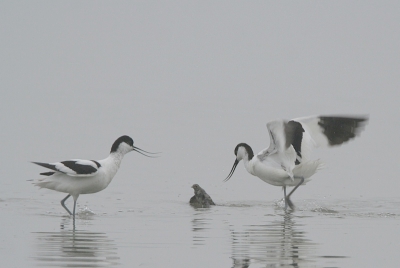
point(192, 79)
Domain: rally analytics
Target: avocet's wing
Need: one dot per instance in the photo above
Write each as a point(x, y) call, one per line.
point(292, 141)
point(280, 150)
point(272, 146)
point(74, 167)
point(332, 130)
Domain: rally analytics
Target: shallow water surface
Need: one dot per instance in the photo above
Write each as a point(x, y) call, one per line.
point(158, 233)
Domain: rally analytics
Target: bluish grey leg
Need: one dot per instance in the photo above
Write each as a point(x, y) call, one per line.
point(290, 203)
point(74, 209)
point(63, 204)
point(284, 193)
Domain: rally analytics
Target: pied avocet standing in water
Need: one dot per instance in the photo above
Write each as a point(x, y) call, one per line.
point(79, 176)
point(286, 162)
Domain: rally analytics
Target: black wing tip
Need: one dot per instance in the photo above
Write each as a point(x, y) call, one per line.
point(46, 165)
point(340, 129)
point(355, 118)
point(47, 173)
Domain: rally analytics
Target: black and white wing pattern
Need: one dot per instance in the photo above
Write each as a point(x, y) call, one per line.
point(283, 144)
point(328, 131)
point(74, 167)
point(291, 142)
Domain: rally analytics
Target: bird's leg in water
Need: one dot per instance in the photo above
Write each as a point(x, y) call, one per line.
point(63, 204)
point(284, 196)
point(74, 209)
point(75, 198)
point(290, 203)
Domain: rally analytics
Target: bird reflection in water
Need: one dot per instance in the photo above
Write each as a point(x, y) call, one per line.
point(75, 248)
point(276, 244)
point(200, 226)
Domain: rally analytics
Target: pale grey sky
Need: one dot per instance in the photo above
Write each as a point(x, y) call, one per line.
point(193, 79)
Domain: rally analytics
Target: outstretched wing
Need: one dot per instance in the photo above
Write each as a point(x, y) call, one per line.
point(291, 141)
point(74, 167)
point(282, 135)
point(272, 149)
point(332, 130)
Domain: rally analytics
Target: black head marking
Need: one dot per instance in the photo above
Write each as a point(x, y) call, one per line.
point(294, 135)
point(341, 129)
point(247, 148)
point(128, 140)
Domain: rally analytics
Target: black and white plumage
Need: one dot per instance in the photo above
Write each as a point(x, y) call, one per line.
point(201, 198)
point(286, 162)
point(79, 176)
point(73, 167)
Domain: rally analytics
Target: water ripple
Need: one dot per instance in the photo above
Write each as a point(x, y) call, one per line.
point(279, 243)
point(71, 248)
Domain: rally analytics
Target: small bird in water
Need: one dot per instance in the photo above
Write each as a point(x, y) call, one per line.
point(79, 176)
point(200, 198)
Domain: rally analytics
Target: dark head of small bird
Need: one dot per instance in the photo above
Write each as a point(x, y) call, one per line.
point(195, 187)
point(247, 150)
point(129, 142)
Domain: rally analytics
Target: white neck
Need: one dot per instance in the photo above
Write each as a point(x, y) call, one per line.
point(116, 157)
point(111, 164)
point(248, 164)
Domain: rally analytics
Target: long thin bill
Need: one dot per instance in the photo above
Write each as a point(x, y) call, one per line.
point(232, 170)
point(145, 151)
point(140, 151)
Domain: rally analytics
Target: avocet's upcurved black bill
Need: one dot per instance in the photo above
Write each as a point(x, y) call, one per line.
point(232, 170)
point(140, 151)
